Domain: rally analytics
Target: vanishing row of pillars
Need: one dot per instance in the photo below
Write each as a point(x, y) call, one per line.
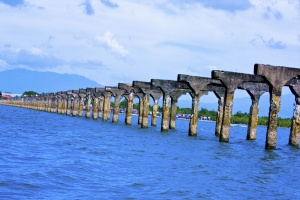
point(266, 78)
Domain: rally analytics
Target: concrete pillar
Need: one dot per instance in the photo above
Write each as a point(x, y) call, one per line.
point(81, 106)
point(141, 106)
point(100, 109)
point(145, 111)
point(154, 112)
point(195, 107)
point(95, 108)
point(231, 80)
point(277, 77)
point(106, 111)
point(64, 106)
point(59, 105)
point(174, 101)
point(220, 113)
point(69, 103)
point(295, 128)
point(88, 107)
point(75, 106)
point(128, 118)
point(166, 112)
point(116, 109)
point(255, 90)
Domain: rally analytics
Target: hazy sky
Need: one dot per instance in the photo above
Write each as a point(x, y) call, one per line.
point(112, 41)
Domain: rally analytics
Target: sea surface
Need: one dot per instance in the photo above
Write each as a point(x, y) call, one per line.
point(52, 156)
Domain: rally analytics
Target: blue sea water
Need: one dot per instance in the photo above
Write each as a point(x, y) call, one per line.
point(51, 156)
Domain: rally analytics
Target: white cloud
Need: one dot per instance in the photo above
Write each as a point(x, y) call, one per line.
point(112, 44)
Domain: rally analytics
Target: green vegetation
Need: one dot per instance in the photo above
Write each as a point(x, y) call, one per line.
point(29, 93)
point(0, 95)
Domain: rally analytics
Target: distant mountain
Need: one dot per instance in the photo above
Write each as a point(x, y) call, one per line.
point(243, 105)
point(18, 81)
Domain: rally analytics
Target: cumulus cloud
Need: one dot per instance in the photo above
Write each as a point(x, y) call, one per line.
point(108, 41)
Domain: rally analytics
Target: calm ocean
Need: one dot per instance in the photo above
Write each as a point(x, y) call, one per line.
point(52, 156)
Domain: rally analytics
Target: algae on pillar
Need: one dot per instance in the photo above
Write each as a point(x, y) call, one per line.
point(106, 111)
point(295, 128)
point(95, 108)
point(277, 77)
point(255, 90)
point(156, 95)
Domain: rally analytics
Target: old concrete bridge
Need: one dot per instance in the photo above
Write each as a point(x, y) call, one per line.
point(266, 78)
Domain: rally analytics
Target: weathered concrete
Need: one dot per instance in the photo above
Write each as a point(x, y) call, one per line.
point(75, 104)
point(95, 107)
point(81, 95)
point(129, 95)
point(220, 95)
point(168, 87)
point(117, 94)
point(277, 77)
point(199, 87)
point(255, 90)
point(231, 80)
point(147, 89)
point(295, 128)
point(69, 103)
point(156, 95)
point(174, 101)
point(140, 96)
point(99, 94)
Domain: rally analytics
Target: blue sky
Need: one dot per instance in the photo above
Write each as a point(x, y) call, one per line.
point(112, 41)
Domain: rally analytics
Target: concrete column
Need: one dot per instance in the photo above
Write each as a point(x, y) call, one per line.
point(220, 113)
point(277, 77)
point(141, 105)
point(100, 110)
point(128, 118)
point(295, 128)
point(166, 112)
point(116, 109)
point(75, 107)
point(88, 107)
point(81, 106)
point(69, 102)
point(49, 104)
point(253, 120)
point(95, 108)
point(59, 105)
point(275, 102)
point(145, 111)
point(106, 115)
point(64, 106)
point(225, 130)
point(154, 111)
point(174, 101)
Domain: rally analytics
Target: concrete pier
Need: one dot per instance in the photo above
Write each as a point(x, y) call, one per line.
point(220, 95)
point(117, 94)
point(231, 80)
point(168, 87)
point(255, 90)
point(156, 95)
point(199, 87)
point(276, 77)
point(295, 128)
